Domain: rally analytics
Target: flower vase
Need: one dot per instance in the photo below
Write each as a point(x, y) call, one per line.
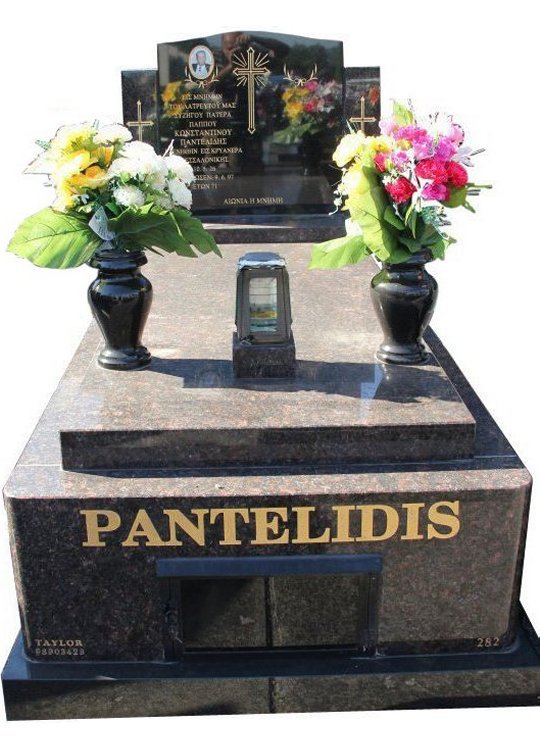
point(120, 299)
point(404, 297)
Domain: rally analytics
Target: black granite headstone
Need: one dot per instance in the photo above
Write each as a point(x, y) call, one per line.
point(139, 91)
point(258, 114)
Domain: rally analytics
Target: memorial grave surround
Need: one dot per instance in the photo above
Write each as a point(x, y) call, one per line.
point(188, 541)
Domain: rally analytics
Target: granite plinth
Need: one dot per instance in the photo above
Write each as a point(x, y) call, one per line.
point(231, 229)
point(188, 409)
point(232, 685)
point(263, 360)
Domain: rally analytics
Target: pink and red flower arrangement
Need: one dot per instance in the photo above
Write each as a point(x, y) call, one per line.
point(398, 187)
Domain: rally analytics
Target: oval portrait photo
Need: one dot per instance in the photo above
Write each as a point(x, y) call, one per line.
point(201, 62)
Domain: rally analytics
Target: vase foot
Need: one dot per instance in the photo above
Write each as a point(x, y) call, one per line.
point(119, 359)
point(416, 354)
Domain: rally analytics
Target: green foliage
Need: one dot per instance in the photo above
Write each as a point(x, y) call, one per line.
point(194, 232)
point(172, 231)
point(51, 239)
point(368, 207)
point(339, 252)
point(147, 227)
point(402, 115)
point(457, 198)
point(292, 134)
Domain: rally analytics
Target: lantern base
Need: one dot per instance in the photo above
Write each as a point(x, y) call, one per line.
point(263, 360)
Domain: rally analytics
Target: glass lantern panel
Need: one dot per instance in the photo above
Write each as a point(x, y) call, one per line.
point(263, 315)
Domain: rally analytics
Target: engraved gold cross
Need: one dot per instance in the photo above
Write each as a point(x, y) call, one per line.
point(363, 119)
point(139, 122)
point(251, 71)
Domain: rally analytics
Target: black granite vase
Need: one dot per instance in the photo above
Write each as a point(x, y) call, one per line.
point(404, 297)
point(120, 300)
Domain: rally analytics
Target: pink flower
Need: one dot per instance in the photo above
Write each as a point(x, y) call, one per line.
point(388, 127)
point(457, 134)
point(311, 85)
point(406, 133)
point(310, 106)
point(380, 161)
point(400, 190)
point(422, 144)
point(400, 160)
point(436, 191)
point(432, 169)
point(445, 148)
point(457, 174)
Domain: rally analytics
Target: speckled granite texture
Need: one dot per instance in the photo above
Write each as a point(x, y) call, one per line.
point(188, 410)
point(436, 594)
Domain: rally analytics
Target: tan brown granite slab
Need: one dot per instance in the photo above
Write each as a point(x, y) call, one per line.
point(188, 410)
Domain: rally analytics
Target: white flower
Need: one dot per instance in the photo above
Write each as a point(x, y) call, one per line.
point(163, 201)
point(112, 134)
point(123, 165)
point(156, 181)
point(180, 194)
point(128, 195)
point(181, 168)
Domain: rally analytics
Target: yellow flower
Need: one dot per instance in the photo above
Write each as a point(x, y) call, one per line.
point(93, 177)
point(351, 145)
point(352, 179)
point(169, 92)
point(65, 198)
point(294, 110)
point(71, 137)
point(382, 143)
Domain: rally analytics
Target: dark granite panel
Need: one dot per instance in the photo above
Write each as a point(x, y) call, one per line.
point(329, 681)
point(363, 84)
point(227, 613)
point(319, 610)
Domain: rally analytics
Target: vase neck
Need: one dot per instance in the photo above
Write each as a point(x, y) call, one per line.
point(416, 260)
point(116, 260)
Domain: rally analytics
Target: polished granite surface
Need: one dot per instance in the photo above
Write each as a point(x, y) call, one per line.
point(341, 407)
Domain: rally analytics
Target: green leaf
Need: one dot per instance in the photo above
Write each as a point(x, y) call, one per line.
point(148, 227)
point(411, 218)
point(339, 252)
point(367, 206)
point(291, 134)
point(52, 239)
point(457, 198)
point(412, 245)
point(194, 232)
point(438, 248)
point(402, 115)
point(391, 218)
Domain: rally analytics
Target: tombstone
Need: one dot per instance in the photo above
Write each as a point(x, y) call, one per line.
point(233, 117)
point(186, 541)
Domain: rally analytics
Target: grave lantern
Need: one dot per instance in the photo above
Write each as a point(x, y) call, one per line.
point(263, 344)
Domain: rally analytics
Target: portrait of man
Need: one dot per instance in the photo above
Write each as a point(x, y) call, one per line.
point(201, 62)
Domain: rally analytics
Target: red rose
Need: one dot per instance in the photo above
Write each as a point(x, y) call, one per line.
point(380, 161)
point(457, 174)
point(432, 169)
point(400, 190)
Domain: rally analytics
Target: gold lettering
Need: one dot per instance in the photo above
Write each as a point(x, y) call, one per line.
point(368, 519)
point(94, 530)
point(343, 523)
point(178, 520)
point(443, 519)
point(303, 528)
point(265, 525)
point(143, 527)
point(229, 523)
point(412, 530)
